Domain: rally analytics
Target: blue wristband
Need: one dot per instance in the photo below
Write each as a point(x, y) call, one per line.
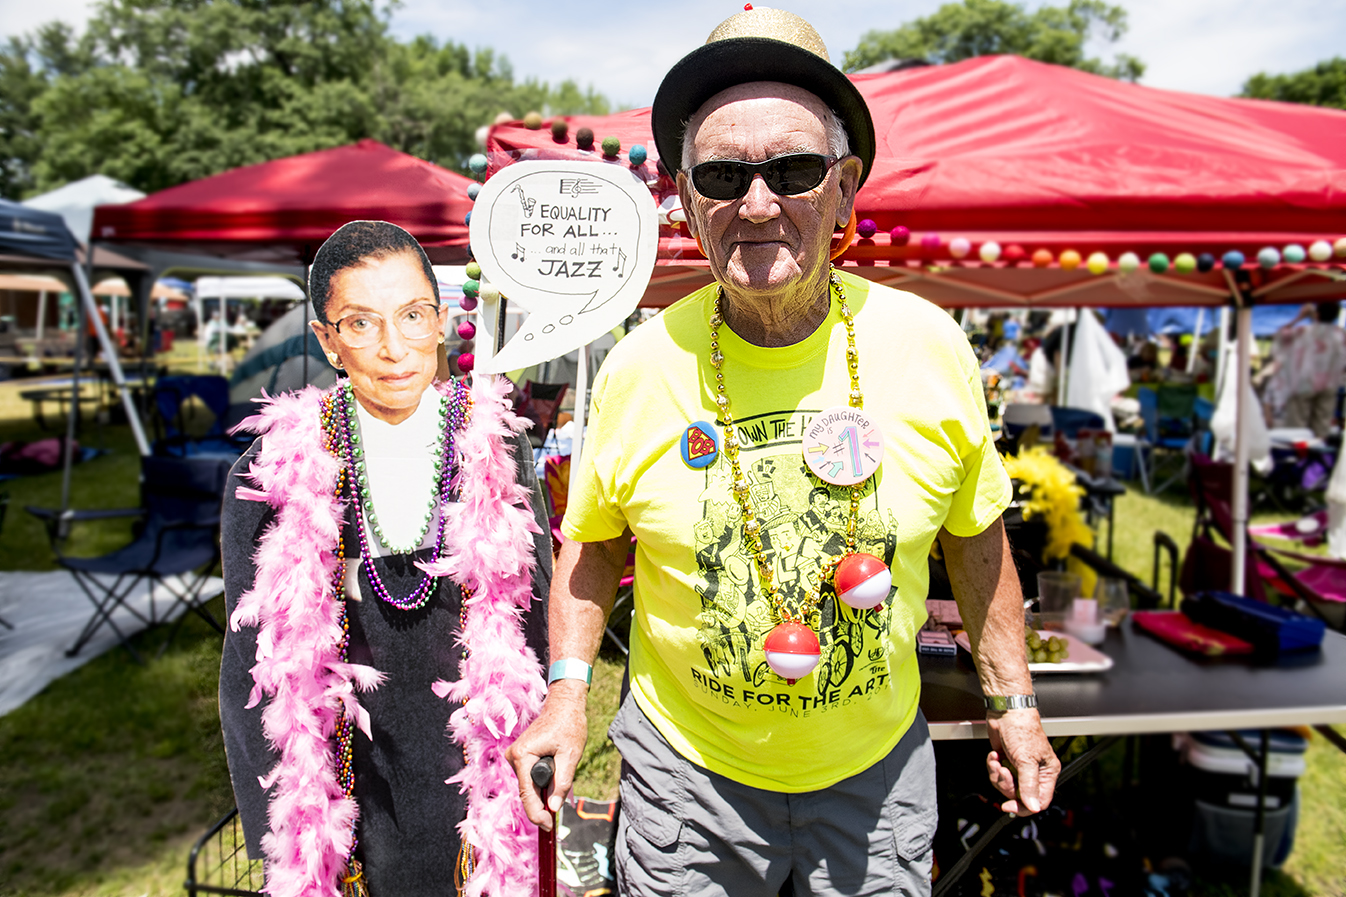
point(570, 668)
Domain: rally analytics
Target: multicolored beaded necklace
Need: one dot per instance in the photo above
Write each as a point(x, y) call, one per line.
point(341, 439)
point(792, 648)
point(339, 421)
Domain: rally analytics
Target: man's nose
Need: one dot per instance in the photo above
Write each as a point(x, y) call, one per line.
point(759, 203)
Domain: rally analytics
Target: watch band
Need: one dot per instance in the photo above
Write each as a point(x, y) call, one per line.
point(1001, 703)
point(570, 668)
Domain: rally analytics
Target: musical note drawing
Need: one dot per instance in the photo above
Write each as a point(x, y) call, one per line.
point(525, 201)
point(576, 186)
point(518, 252)
point(620, 266)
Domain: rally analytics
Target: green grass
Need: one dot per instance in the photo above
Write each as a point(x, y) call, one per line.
point(110, 773)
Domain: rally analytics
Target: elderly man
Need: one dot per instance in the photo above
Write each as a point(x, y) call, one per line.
point(781, 444)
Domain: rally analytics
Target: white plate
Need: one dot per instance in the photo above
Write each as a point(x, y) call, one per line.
point(1082, 659)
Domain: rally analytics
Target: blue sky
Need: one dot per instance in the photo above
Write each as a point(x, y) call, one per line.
point(622, 49)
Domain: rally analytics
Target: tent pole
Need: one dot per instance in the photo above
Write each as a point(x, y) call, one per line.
point(1243, 383)
point(307, 300)
point(1222, 347)
point(41, 317)
point(223, 332)
point(68, 450)
point(1196, 338)
point(581, 403)
point(114, 364)
point(1063, 373)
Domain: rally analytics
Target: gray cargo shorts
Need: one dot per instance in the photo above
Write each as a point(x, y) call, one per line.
point(688, 832)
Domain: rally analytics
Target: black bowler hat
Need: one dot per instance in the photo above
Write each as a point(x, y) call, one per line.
point(758, 45)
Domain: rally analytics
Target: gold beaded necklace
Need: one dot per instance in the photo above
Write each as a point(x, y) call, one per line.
point(752, 528)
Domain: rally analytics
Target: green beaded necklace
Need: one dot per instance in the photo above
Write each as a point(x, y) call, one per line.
point(362, 476)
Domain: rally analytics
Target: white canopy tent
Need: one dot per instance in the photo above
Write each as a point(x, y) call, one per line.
point(75, 201)
point(222, 289)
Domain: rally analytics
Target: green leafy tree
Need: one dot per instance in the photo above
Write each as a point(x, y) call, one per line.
point(20, 85)
point(159, 92)
point(1322, 85)
point(957, 31)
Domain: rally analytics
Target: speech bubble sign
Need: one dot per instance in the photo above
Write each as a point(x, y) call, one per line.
point(572, 242)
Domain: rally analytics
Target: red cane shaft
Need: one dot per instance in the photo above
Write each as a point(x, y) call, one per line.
point(546, 861)
point(541, 774)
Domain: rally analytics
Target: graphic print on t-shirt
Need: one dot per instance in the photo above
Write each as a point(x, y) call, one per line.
point(803, 524)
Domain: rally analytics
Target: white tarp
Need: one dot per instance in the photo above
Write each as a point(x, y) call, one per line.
point(1097, 369)
point(48, 611)
point(1222, 422)
point(75, 201)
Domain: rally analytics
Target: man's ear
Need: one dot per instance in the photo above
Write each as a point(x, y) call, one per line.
point(685, 197)
point(849, 180)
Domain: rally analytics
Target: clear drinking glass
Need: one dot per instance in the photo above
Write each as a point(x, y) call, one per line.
point(1114, 600)
point(1057, 590)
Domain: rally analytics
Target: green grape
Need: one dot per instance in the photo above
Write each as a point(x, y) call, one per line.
point(1039, 656)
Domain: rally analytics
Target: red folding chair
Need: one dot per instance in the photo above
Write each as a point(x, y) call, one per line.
point(1321, 582)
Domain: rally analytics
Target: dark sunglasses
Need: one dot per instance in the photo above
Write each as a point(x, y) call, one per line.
point(725, 179)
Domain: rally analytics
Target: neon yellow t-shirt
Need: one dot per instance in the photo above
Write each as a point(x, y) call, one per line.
point(698, 670)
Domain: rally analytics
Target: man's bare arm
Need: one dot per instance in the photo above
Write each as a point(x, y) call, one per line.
point(582, 590)
point(990, 601)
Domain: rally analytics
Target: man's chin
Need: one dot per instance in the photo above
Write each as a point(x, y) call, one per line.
point(762, 274)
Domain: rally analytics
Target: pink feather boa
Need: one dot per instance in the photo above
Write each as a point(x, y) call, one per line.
point(299, 668)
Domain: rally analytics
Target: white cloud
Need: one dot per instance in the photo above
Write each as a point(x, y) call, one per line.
point(1213, 46)
point(23, 16)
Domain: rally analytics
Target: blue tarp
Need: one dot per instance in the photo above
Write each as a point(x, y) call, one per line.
point(25, 231)
point(1005, 360)
point(1171, 321)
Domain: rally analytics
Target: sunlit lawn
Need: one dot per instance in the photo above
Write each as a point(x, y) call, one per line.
point(108, 776)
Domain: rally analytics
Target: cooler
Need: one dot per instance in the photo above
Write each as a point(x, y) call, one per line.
point(1225, 787)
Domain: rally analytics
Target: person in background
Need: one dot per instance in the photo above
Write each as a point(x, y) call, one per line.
point(1314, 358)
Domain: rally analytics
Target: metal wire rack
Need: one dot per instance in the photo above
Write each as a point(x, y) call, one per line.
point(219, 864)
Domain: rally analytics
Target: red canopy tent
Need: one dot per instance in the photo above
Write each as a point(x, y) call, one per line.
point(1037, 156)
point(282, 211)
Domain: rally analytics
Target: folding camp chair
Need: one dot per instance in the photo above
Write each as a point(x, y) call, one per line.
point(1169, 417)
point(171, 394)
point(177, 537)
point(4, 506)
point(540, 403)
point(1321, 584)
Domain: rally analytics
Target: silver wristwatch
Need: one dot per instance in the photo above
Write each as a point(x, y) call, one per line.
point(1001, 703)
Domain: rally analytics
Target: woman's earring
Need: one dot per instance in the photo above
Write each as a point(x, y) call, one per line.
point(334, 361)
point(441, 339)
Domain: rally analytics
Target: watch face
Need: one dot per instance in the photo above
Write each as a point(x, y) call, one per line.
point(843, 446)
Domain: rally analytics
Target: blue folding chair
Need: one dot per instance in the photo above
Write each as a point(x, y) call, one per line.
point(172, 393)
point(175, 547)
point(1163, 436)
point(1071, 420)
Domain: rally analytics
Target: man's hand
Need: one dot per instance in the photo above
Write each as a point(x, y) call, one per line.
point(1022, 765)
point(560, 731)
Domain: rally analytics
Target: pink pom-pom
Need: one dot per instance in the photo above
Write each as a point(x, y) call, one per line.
point(900, 236)
point(866, 228)
point(466, 362)
point(467, 330)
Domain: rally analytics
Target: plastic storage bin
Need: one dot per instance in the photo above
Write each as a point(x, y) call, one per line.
point(1225, 789)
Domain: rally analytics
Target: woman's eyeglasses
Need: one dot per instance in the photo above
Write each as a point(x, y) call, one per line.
point(726, 179)
point(366, 328)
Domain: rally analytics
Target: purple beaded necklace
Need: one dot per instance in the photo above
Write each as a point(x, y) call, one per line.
point(347, 446)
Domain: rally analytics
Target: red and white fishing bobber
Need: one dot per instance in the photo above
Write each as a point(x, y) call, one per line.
point(792, 651)
point(863, 581)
